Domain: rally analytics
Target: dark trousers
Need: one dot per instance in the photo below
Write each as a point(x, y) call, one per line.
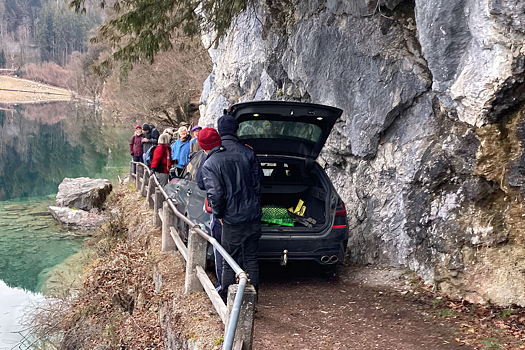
point(241, 240)
point(137, 159)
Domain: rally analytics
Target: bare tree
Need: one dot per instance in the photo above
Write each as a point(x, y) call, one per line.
point(166, 91)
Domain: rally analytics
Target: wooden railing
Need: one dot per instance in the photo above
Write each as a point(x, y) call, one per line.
point(238, 313)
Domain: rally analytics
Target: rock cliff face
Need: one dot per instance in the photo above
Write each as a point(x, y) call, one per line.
point(428, 155)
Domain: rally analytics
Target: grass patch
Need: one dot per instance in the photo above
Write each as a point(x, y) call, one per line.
point(218, 341)
point(507, 312)
point(491, 344)
point(445, 313)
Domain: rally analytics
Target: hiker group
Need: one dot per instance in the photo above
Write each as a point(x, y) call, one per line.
point(164, 153)
point(230, 173)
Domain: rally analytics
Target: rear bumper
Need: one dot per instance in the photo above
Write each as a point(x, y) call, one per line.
point(321, 249)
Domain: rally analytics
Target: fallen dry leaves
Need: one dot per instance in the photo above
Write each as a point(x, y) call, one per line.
point(132, 293)
point(486, 326)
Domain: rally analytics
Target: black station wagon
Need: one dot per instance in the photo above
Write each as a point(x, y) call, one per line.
point(303, 216)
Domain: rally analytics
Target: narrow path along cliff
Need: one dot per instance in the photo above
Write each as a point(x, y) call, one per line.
point(301, 306)
point(356, 307)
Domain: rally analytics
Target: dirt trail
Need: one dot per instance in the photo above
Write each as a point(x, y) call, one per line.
point(306, 307)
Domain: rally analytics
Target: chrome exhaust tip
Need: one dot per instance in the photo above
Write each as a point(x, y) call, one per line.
point(325, 259)
point(334, 259)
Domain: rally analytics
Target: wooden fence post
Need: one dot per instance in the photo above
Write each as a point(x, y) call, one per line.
point(196, 257)
point(167, 242)
point(131, 171)
point(244, 334)
point(138, 176)
point(157, 204)
point(144, 185)
point(150, 192)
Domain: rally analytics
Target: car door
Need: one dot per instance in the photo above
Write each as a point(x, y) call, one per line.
point(193, 196)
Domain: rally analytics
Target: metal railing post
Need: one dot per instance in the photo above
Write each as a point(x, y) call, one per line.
point(196, 257)
point(167, 242)
point(158, 203)
point(244, 334)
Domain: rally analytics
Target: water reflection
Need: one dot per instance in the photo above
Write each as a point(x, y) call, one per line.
point(40, 145)
point(31, 243)
point(12, 309)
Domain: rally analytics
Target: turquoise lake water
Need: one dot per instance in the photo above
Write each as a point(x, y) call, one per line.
point(40, 145)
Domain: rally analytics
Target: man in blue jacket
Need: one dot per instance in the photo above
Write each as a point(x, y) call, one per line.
point(232, 182)
point(180, 150)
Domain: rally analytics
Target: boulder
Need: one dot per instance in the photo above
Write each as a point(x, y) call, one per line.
point(83, 193)
point(76, 218)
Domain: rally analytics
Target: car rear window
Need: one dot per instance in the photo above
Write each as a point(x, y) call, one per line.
point(274, 129)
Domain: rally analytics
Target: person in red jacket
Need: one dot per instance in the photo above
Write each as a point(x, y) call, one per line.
point(161, 162)
point(135, 146)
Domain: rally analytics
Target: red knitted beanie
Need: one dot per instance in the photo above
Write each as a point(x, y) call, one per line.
point(208, 139)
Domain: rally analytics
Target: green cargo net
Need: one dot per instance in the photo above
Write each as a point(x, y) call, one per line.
point(276, 215)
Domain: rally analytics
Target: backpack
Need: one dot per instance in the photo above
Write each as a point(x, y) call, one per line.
point(148, 156)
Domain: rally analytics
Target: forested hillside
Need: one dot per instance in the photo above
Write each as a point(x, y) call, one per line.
point(38, 31)
point(17, 30)
point(60, 31)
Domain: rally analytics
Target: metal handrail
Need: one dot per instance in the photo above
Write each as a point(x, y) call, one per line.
point(240, 273)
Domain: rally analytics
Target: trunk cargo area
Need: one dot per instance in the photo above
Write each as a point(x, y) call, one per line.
point(284, 185)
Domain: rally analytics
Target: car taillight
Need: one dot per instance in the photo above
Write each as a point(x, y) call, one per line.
point(207, 206)
point(340, 216)
point(341, 211)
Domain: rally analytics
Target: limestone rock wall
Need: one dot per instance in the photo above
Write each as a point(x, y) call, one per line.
point(428, 155)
